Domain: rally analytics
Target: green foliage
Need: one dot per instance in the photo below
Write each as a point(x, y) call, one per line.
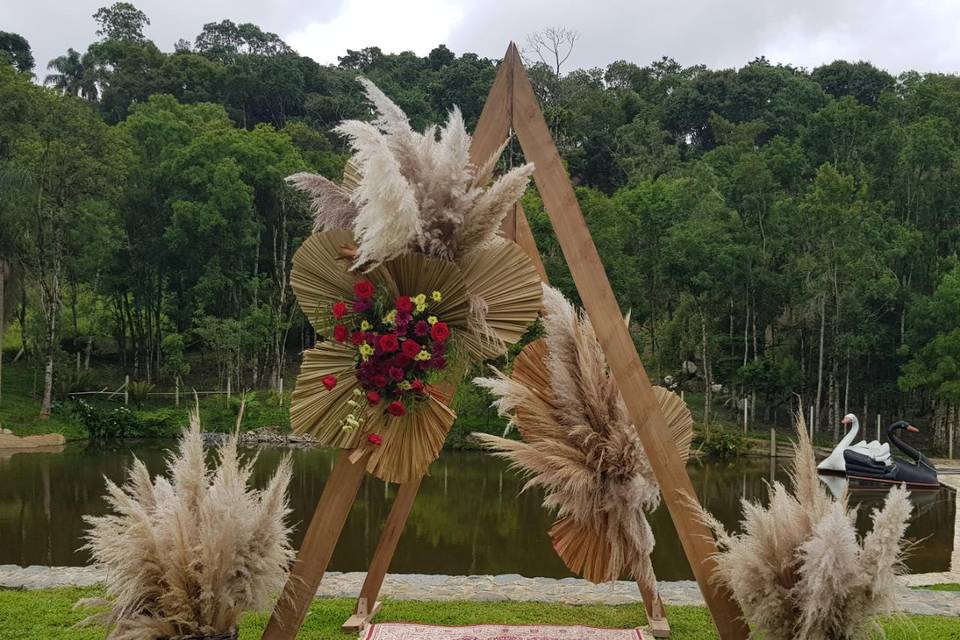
point(105, 423)
point(139, 391)
point(15, 50)
point(725, 443)
point(74, 381)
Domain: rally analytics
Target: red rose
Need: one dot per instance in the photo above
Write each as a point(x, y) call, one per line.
point(416, 385)
point(329, 382)
point(339, 310)
point(397, 373)
point(411, 348)
point(374, 439)
point(388, 343)
point(363, 289)
point(440, 331)
point(380, 381)
point(373, 397)
point(341, 333)
point(403, 360)
point(404, 304)
point(396, 409)
point(358, 338)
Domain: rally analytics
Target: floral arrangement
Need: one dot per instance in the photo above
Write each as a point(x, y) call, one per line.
point(400, 345)
point(580, 447)
point(406, 280)
point(186, 554)
point(798, 567)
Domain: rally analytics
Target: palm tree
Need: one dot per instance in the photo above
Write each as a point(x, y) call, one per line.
point(74, 75)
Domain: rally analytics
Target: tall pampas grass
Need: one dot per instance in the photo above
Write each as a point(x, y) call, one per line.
point(580, 447)
point(414, 191)
point(799, 570)
point(185, 556)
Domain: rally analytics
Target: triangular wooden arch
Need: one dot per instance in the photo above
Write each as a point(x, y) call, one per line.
point(512, 107)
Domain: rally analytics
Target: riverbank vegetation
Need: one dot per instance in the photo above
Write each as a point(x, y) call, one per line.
point(49, 615)
point(775, 231)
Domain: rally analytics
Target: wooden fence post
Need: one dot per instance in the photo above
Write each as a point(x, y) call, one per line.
point(126, 390)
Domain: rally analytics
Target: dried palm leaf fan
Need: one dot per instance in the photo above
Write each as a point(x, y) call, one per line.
point(581, 448)
point(406, 281)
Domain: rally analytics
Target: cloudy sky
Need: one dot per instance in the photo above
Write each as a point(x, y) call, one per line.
point(893, 34)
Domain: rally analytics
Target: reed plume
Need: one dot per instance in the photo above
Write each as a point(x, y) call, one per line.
point(581, 448)
point(412, 192)
point(185, 556)
point(798, 568)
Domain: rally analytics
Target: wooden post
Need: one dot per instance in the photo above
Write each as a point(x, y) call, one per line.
point(325, 528)
point(746, 406)
point(126, 389)
point(176, 391)
point(773, 442)
point(581, 255)
point(367, 605)
point(656, 614)
point(878, 427)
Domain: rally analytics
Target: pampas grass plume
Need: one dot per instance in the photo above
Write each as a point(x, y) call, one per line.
point(187, 555)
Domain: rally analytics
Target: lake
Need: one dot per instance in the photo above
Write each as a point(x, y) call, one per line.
point(468, 518)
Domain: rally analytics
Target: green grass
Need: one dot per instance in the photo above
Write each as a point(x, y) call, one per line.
point(949, 586)
point(20, 412)
point(49, 615)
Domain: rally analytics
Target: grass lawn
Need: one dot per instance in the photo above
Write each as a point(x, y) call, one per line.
point(950, 586)
point(49, 615)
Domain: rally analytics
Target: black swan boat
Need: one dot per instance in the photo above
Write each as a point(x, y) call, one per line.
point(918, 473)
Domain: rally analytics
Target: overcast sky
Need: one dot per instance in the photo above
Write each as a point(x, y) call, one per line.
point(893, 34)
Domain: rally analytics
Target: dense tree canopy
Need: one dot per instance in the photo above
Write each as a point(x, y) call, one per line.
point(773, 231)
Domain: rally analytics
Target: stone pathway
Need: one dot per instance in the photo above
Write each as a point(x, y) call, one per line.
point(511, 587)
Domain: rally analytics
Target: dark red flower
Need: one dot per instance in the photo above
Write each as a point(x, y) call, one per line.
point(374, 439)
point(373, 397)
point(422, 328)
point(380, 381)
point(416, 385)
point(440, 331)
point(339, 310)
point(358, 338)
point(397, 373)
point(329, 382)
point(403, 360)
point(396, 409)
point(362, 306)
point(341, 333)
point(438, 363)
point(388, 343)
point(410, 348)
point(404, 304)
point(364, 289)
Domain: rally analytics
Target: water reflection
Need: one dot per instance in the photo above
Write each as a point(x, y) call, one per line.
point(468, 518)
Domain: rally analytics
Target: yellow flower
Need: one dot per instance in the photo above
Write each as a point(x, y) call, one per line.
point(405, 385)
point(433, 320)
point(436, 295)
point(423, 356)
point(420, 299)
point(366, 350)
point(365, 326)
point(421, 308)
point(391, 317)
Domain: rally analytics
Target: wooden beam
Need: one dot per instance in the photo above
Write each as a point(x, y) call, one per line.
point(325, 528)
point(523, 236)
point(386, 547)
point(656, 614)
point(493, 127)
point(581, 255)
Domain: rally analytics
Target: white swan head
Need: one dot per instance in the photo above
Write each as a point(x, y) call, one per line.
point(850, 421)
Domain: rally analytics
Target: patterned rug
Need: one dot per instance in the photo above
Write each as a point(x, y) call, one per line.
point(402, 631)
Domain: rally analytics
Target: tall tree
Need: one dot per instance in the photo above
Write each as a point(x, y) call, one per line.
point(15, 49)
point(121, 21)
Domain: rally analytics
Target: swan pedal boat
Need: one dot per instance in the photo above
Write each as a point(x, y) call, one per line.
point(870, 463)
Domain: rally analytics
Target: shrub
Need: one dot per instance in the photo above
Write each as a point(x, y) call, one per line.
point(73, 381)
point(139, 391)
point(725, 443)
point(108, 424)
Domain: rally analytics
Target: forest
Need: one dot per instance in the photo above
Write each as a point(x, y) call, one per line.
point(778, 234)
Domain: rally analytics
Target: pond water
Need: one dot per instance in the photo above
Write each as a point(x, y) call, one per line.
point(468, 517)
